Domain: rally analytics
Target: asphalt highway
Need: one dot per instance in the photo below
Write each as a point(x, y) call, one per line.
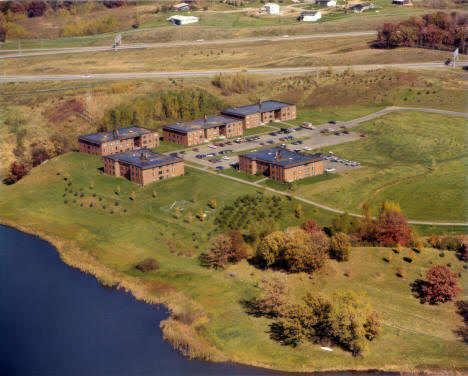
point(209, 73)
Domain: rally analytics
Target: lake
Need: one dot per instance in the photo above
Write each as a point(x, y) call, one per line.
point(56, 320)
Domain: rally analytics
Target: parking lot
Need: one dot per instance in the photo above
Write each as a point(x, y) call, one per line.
point(309, 140)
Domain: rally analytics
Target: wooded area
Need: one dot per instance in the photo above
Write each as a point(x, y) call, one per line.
point(440, 31)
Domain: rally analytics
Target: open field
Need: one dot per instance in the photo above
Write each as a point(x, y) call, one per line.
point(413, 335)
point(219, 21)
point(278, 54)
point(412, 158)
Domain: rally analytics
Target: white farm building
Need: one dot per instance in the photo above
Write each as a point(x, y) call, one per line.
point(182, 20)
point(326, 3)
point(271, 8)
point(310, 16)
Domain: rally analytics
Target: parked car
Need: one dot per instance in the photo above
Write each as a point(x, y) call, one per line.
point(332, 122)
point(212, 146)
point(182, 152)
point(221, 145)
point(219, 167)
point(337, 133)
point(272, 134)
point(209, 155)
point(324, 131)
point(229, 143)
point(363, 135)
point(343, 126)
point(330, 169)
point(282, 139)
point(225, 158)
point(195, 149)
point(297, 150)
point(212, 160)
point(227, 151)
point(299, 142)
point(448, 61)
point(261, 143)
point(345, 132)
point(306, 148)
point(270, 142)
point(283, 146)
point(215, 143)
point(307, 125)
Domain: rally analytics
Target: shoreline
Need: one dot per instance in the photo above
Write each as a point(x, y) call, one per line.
point(180, 335)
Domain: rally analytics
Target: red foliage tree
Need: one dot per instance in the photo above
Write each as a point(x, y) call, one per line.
point(16, 172)
point(311, 226)
point(393, 228)
point(238, 249)
point(441, 285)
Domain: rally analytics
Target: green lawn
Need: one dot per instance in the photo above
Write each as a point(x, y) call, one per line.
point(165, 147)
point(341, 113)
point(257, 130)
point(413, 335)
point(241, 175)
point(416, 159)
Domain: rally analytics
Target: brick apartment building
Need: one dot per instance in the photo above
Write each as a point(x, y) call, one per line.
point(199, 131)
point(118, 141)
point(281, 164)
point(262, 112)
point(143, 166)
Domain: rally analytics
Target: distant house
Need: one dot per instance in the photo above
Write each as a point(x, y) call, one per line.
point(271, 8)
point(310, 16)
point(181, 6)
point(361, 7)
point(182, 20)
point(326, 3)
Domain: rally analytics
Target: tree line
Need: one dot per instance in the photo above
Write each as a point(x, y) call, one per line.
point(440, 31)
point(164, 106)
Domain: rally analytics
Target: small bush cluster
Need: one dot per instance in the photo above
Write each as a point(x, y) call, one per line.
point(147, 265)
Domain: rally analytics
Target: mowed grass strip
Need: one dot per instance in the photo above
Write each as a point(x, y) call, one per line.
point(416, 159)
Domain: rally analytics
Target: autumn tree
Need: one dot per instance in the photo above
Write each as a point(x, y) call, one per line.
point(435, 241)
point(293, 250)
point(311, 226)
point(298, 211)
point(344, 223)
point(274, 296)
point(212, 203)
point(200, 214)
point(154, 193)
point(16, 172)
point(340, 246)
point(133, 195)
point(440, 286)
point(226, 248)
point(345, 318)
point(393, 228)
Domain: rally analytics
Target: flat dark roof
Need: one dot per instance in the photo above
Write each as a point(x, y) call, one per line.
point(211, 122)
point(151, 159)
point(282, 157)
point(123, 134)
point(254, 108)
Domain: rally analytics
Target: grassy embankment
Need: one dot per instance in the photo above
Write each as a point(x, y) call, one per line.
point(208, 312)
point(416, 159)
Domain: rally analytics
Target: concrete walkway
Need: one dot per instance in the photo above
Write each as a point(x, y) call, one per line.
point(351, 123)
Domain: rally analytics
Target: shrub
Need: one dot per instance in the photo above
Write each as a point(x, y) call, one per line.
point(451, 243)
point(401, 272)
point(241, 82)
point(340, 246)
point(311, 226)
point(147, 265)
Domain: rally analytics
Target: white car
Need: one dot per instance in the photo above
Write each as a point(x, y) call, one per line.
point(225, 158)
point(306, 148)
point(285, 36)
point(330, 169)
point(212, 146)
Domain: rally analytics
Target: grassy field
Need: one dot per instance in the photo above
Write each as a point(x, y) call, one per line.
point(415, 159)
point(218, 22)
point(413, 336)
point(285, 53)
